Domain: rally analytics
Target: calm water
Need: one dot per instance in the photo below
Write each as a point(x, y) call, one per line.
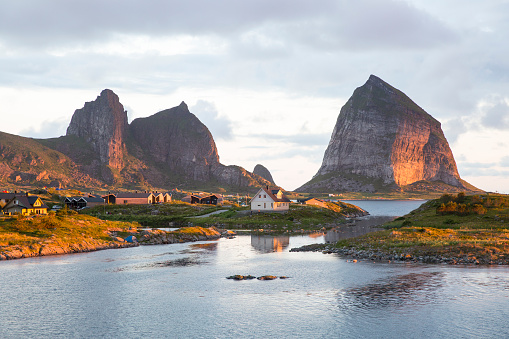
point(387, 207)
point(181, 291)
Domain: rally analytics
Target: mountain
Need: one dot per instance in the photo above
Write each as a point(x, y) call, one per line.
point(263, 172)
point(383, 141)
point(171, 148)
point(27, 162)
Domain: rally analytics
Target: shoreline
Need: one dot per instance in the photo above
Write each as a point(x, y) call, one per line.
point(379, 256)
point(146, 238)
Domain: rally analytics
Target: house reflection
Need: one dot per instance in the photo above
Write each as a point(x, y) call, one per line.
point(267, 244)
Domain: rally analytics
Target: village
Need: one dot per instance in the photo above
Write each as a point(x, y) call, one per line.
point(267, 199)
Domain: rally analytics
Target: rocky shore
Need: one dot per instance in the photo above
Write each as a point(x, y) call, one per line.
point(39, 250)
point(185, 234)
point(379, 256)
point(145, 237)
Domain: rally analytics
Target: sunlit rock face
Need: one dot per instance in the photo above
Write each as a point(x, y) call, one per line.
point(103, 124)
point(382, 140)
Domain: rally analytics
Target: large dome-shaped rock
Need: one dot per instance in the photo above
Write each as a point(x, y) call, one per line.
point(181, 146)
point(176, 138)
point(263, 172)
point(384, 141)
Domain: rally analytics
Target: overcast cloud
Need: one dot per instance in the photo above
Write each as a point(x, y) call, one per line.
point(261, 73)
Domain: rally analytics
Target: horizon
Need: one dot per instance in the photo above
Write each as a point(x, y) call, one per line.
point(267, 79)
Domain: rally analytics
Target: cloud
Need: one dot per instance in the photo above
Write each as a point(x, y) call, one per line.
point(496, 114)
point(504, 162)
point(46, 129)
point(219, 126)
point(454, 128)
point(303, 140)
point(324, 23)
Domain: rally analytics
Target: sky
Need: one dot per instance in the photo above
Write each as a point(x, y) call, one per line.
point(268, 78)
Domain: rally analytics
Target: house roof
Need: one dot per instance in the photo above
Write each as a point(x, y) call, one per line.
point(28, 201)
point(132, 195)
point(6, 196)
point(92, 199)
point(272, 193)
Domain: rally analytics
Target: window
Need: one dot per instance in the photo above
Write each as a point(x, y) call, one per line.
point(265, 195)
point(260, 196)
point(271, 205)
point(264, 205)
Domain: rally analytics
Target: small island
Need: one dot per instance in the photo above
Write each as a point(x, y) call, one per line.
point(454, 229)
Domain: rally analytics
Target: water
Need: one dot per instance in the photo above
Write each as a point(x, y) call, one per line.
point(181, 291)
point(387, 207)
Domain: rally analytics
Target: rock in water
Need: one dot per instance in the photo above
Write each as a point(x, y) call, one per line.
point(384, 141)
point(264, 173)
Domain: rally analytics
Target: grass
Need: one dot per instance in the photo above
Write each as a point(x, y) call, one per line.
point(426, 232)
point(67, 232)
point(150, 215)
point(298, 217)
point(182, 214)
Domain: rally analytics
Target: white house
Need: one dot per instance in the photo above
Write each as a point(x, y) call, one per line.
point(268, 199)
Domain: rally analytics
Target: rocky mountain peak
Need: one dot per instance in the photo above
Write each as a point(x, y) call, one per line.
point(383, 140)
point(103, 124)
point(264, 173)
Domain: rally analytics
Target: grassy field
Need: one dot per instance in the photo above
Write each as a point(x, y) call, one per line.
point(65, 227)
point(469, 227)
point(298, 217)
point(183, 214)
point(160, 215)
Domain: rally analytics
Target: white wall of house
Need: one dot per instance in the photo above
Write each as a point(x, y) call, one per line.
point(263, 202)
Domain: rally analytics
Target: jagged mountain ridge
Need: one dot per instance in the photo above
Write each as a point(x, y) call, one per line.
point(384, 141)
point(168, 149)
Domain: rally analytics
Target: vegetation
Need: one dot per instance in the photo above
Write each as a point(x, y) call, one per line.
point(64, 228)
point(234, 216)
point(160, 215)
point(460, 226)
point(299, 217)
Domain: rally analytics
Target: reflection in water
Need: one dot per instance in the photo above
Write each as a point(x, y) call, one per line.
point(360, 227)
point(210, 246)
point(267, 244)
point(402, 290)
point(180, 262)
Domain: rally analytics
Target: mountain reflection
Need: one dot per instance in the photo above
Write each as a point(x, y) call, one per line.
point(413, 289)
point(267, 244)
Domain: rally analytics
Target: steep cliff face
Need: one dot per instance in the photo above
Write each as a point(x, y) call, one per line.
point(180, 144)
point(383, 140)
point(264, 173)
point(170, 148)
point(103, 124)
point(177, 139)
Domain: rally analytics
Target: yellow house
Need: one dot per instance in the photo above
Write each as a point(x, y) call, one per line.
point(25, 205)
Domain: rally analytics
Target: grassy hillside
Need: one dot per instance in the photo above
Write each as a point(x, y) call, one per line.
point(26, 162)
